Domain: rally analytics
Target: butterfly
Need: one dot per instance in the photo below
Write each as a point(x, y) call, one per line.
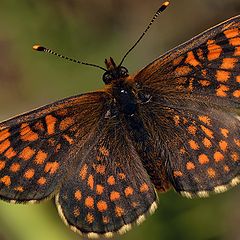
point(103, 155)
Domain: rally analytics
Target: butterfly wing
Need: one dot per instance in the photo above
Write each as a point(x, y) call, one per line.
point(190, 114)
point(109, 189)
point(192, 146)
point(37, 147)
point(207, 67)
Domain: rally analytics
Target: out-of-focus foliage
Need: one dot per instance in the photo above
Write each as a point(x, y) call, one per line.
point(92, 30)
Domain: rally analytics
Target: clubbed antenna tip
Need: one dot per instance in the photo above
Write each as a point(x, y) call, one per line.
point(40, 48)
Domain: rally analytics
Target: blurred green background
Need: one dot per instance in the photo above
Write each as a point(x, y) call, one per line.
point(91, 31)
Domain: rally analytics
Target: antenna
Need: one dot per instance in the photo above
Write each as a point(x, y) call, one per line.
point(158, 12)
point(47, 50)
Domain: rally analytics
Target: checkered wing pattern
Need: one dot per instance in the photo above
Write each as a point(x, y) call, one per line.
point(36, 147)
point(195, 90)
point(206, 67)
point(109, 189)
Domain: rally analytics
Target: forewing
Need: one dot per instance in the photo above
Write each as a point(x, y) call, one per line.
point(206, 67)
point(37, 147)
point(189, 98)
point(109, 188)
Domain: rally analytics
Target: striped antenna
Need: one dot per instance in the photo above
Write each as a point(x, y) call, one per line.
point(47, 50)
point(158, 12)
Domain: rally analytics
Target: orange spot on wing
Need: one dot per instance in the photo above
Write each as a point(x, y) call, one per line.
point(90, 181)
point(214, 50)
point(193, 145)
point(99, 189)
point(4, 145)
point(104, 151)
point(192, 60)
point(176, 61)
point(39, 126)
point(235, 156)
point(4, 134)
point(218, 156)
point(40, 157)
point(204, 83)
point(237, 142)
point(19, 189)
point(128, 191)
point(50, 122)
point(78, 195)
point(182, 71)
point(105, 219)
point(203, 159)
point(66, 123)
point(51, 167)
point(27, 153)
point(15, 167)
point(51, 141)
point(89, 202)
point(211, 172)
point(135, 204)
point(230, 33)
point(204, 72)
point(29, 173)
point(200, 54)
point(207, 131)
point(41, 181)
point(122, 176)
point(205, 119)
point(58, 147)
point(144, 188)
point(207, 143)
point(236, 93)
point(176, 119)
point(226, 168)
point(69, 139)
point(90, 218)
point(229, 63)
point(238, 79)
point(235, 41)
point(221, 90)
point(177, 173)
point(83, 171)
point(10, 153)
point(114, 196)
point(185, 120)
point(102, 206)
point(237, 51)
point(119, 211)
point(222, 76)
point(190, 166)
point(27, 134)
point(192, 129)
point(100, 168)
point(62, 112)
point(2, 165)
point(224, 132)
point(182, 150)
point(182, 80)
point(223, 145)
point(111, 180)
point(6, 180)
point(76, 212)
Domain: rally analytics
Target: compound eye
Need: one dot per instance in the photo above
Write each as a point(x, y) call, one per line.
point(123, 72)
point(107, 77)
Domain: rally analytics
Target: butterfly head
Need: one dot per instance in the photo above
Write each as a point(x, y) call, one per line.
point(113, 72)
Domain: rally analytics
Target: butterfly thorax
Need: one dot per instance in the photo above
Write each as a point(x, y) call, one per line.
point(124, 97)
